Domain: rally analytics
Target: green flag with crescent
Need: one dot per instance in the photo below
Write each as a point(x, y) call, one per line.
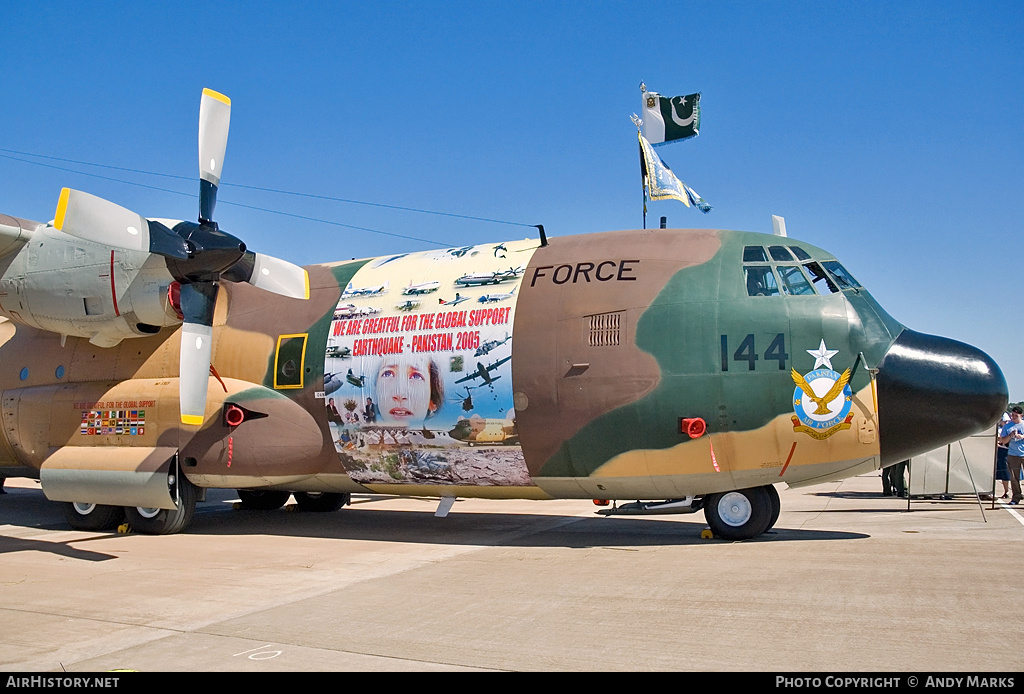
point(670, 118)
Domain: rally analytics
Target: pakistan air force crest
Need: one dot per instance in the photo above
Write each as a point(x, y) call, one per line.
point(822, 399)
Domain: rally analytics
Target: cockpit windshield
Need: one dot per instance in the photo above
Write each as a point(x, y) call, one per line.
point(791, 271)
point(843, 278)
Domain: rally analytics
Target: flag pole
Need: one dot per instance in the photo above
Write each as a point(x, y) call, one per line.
point(643, 178)
point(643, 165)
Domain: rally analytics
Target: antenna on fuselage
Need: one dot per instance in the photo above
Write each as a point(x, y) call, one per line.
point(778, 225)
point(543, 236)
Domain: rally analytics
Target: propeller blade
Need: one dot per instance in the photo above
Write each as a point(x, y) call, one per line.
point(101, 221)
point(214, 119)
point(197, 304)
point(270, 274)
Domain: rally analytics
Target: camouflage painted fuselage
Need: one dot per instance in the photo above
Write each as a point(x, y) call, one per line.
point(574, 371)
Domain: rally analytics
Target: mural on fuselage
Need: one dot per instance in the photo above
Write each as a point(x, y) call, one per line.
point(418, 368)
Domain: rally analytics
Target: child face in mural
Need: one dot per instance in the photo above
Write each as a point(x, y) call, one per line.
point(408, 388)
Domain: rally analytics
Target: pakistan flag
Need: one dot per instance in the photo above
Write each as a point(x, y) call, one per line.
point(667, 118)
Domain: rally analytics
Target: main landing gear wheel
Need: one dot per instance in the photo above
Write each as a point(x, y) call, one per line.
point(166, 521)
point(740, 514)
point(81, 516)
point(262, 499)
point(323, 502)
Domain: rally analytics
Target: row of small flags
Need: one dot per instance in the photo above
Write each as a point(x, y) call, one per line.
point(666, 119)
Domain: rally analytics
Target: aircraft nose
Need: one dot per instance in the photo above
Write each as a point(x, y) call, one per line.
point(932, 391)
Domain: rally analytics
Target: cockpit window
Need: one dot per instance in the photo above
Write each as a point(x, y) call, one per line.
point(780, 253)
point(820, 280)
point(761, 281)
point(843, 278)
point(793, 281)
point(800, 253)
point(754, 254)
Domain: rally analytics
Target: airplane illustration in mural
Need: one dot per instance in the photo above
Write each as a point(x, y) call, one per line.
point(492, 298)
point(484, 372)
point(474, 279)
point(353, 311)
point(477, 431)
point(454, 302)
point(421, 288)
point(143, 361)
point(338, 352)
point(365, 291)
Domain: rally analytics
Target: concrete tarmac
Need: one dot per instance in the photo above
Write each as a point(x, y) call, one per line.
point(846, 581)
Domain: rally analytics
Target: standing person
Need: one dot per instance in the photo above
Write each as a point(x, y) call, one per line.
point(897, 480)
point(1012, 434)
point(1002, 472)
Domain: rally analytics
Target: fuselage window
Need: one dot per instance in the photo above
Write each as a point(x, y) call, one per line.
point(793, 281)
point(761, 281)
point(820, 280)
point(800, 253)
point(780, 253)
point(754, 254)
point(843, 278)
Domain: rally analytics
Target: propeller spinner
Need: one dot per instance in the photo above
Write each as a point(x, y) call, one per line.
point(199, 256)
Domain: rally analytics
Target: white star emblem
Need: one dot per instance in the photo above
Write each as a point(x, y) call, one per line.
point(823, 355)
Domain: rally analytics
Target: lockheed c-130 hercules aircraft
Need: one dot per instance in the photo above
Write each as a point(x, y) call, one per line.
point(143, 361)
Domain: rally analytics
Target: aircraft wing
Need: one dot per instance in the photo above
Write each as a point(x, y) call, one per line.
point(498, 363)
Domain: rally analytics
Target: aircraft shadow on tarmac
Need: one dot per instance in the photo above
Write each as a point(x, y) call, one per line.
point(363, 522)
point(9, 545)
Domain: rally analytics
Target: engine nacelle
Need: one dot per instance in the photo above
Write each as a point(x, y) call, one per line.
point(71, 286)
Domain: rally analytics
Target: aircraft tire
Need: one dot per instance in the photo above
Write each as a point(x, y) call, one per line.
point(82, 516)
point(740, 514)
point(773, 496)
point(321, 502)
point(262, 499)
point(165, 521)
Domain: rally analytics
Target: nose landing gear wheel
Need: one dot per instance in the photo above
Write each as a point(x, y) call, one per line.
point(740, 514)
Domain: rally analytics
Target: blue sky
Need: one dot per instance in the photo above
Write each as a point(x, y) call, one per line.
point(887, 133)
